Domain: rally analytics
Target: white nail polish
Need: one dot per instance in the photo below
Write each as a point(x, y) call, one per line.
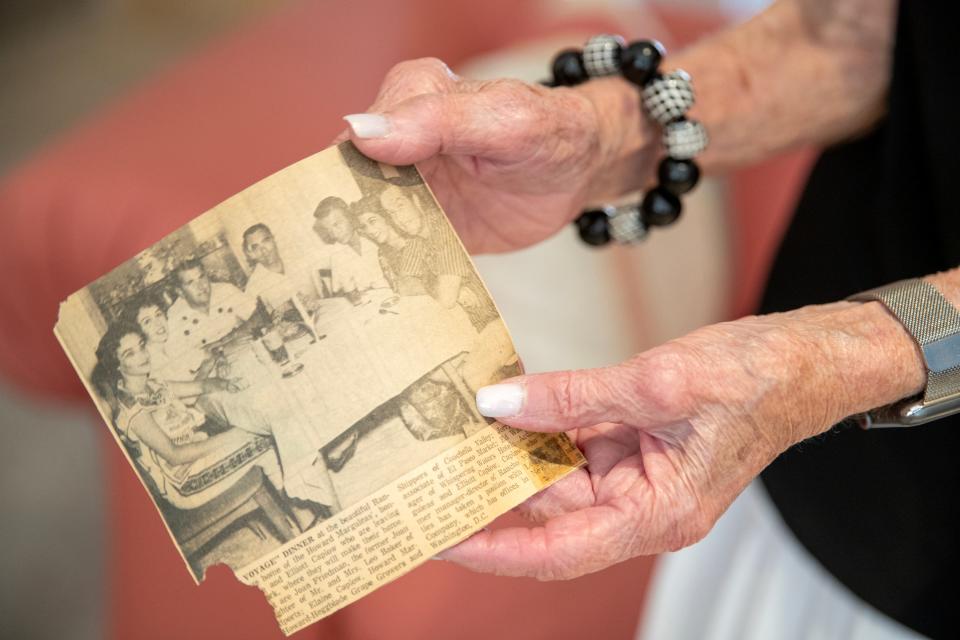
point(368, 125)
point(500, 400)
point(451, 73)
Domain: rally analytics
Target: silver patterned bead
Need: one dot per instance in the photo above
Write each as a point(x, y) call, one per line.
point(601, 55)
point(684, 139)
point(626, 226)
point(669, 96)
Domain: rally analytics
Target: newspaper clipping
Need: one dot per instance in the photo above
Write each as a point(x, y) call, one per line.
point(291, 376)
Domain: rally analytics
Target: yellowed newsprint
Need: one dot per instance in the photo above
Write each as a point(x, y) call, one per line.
point(291, 376)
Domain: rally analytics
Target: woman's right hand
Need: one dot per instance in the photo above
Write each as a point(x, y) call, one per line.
point(510, 162)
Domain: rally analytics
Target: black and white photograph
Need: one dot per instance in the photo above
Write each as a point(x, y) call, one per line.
point(289, 353)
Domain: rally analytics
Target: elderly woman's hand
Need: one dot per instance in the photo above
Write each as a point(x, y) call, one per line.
point(674, 434)
point(510, 162)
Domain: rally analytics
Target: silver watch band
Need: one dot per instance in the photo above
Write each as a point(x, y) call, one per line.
point(935, 324)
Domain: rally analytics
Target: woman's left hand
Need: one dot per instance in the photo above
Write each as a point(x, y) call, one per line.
point(511, 163)
point(674, 434)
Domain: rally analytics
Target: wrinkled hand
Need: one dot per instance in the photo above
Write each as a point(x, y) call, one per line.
point(673, 435)
point(511, 163)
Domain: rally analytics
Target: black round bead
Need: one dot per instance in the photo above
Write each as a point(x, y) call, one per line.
point(568, 68)
point(594, 227)
point(660, 207)
point(678, 176)
point(639, 61)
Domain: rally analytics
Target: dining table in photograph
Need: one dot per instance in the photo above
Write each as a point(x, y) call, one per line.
point(359, 358)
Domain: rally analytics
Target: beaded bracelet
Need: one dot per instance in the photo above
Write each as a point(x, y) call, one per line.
point(665, 97)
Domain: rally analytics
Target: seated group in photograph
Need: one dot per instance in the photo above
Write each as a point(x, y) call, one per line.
point(385, 241)
point(390, 238)
point(173, 401)
point(383, 246)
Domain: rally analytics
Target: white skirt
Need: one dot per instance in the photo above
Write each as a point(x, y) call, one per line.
point(751, 579)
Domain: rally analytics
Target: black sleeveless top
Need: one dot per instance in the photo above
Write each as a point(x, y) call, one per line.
point(878, 508)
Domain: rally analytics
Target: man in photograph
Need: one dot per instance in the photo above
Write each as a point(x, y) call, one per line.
point(269, 279)
point(205, 311)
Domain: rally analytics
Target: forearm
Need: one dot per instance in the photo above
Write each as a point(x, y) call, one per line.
point(850, 357)
point(188, 389)
point(202, 373)
point(801, 72)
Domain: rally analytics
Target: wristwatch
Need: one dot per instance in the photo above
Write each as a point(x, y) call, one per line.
point(934, 324)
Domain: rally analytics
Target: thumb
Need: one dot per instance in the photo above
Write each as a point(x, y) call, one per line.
point(475, 123)
point(561, 400)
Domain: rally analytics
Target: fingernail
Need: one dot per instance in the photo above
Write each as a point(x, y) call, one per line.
point(368, 125)
point(500, 400)
point(451, 73)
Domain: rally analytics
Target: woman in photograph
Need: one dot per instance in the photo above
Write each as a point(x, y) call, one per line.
point(404, 259)
point(149, 313)
point(354, 260)
point(162, 431)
